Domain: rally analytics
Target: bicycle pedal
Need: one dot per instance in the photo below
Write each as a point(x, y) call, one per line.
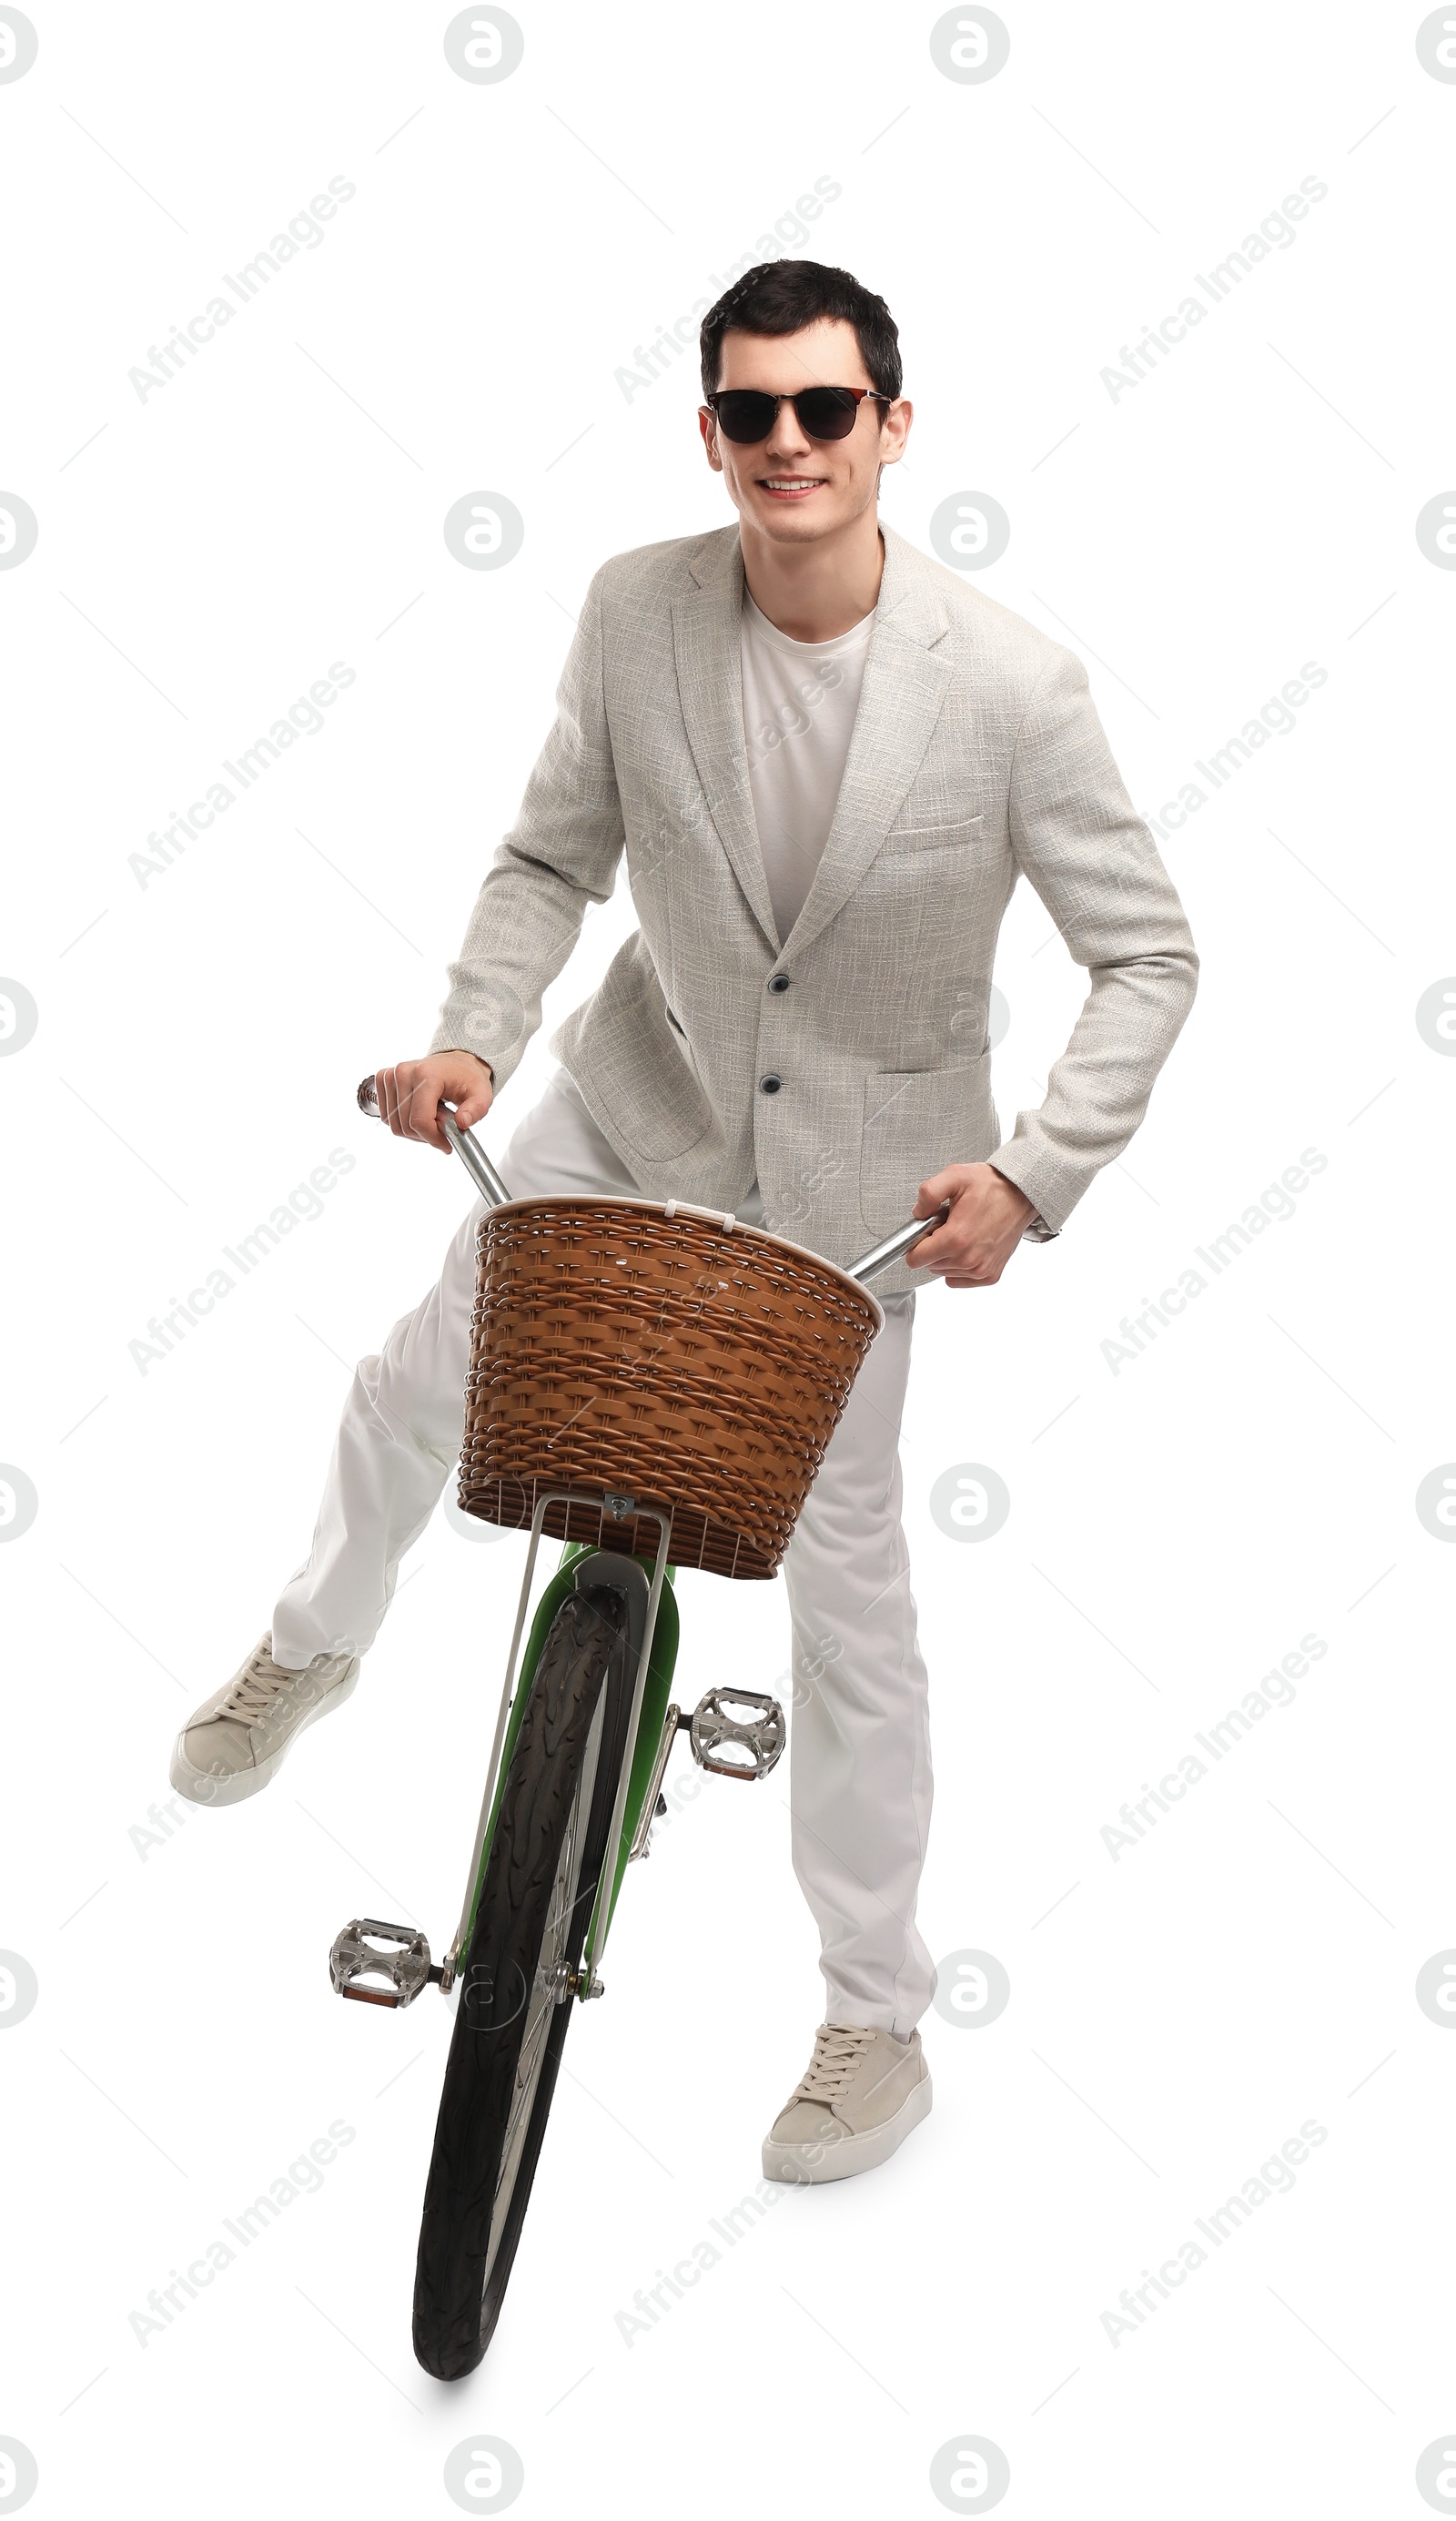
point(405, 1968)
point(729, 1747)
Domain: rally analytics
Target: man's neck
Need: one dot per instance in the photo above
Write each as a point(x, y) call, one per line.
point(814, 591)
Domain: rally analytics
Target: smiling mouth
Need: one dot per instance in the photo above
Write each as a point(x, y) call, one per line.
point(791, 485)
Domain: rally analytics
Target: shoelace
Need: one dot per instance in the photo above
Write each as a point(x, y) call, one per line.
point(838, 2047)
point(257, 1687)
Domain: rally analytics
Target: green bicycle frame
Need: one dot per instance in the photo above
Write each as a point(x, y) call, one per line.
point(643, 1749)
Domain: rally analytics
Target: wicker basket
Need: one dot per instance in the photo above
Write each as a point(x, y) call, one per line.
point(661, 1354)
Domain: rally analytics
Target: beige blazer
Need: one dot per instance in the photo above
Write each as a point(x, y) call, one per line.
point(977, 756)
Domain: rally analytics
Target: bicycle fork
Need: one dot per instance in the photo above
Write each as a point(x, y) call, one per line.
point(732, 1733)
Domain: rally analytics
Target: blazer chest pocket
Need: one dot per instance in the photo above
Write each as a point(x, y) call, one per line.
point(914, 1126)
point(905, 839)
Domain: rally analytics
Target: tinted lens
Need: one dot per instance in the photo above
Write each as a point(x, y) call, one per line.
point(826, 411)
point(746, 418)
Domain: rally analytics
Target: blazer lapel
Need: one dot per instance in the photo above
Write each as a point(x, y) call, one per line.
point(900, 701)
point(904, 689)
point(707, 630)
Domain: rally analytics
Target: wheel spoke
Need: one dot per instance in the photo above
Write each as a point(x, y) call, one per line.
point(544, 1996)
point(543, 1999)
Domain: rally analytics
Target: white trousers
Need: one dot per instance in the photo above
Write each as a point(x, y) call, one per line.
point(859, 1761)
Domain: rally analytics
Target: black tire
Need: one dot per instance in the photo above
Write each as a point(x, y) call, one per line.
point(485, 2156)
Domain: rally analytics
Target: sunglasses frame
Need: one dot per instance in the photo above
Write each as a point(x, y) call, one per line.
point(860, 394)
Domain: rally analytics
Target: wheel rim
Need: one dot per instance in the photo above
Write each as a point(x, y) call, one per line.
point(545, 1986)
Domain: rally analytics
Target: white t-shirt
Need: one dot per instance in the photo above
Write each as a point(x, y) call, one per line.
point(799, 698)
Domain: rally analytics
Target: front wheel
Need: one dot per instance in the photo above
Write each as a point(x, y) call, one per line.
point(536, 1903)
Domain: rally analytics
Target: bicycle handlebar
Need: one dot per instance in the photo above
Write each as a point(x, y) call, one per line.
point(466, 1147)
point(895, 1246)
point(493, 1191)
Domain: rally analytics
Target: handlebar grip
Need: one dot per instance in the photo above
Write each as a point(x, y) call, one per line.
point(465, 1146)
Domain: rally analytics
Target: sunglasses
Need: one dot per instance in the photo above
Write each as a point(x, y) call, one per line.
point(823, 412)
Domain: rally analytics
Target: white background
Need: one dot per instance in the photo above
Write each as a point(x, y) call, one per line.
point(1176, 1526)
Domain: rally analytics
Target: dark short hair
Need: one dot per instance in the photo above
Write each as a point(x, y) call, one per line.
point(777, 297)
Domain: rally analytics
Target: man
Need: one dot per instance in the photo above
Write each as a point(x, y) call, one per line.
point(827, 760)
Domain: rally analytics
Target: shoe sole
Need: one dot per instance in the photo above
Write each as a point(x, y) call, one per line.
point(204, 1786)
point(852, 2153)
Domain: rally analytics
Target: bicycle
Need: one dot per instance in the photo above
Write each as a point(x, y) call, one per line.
point(691, 1336)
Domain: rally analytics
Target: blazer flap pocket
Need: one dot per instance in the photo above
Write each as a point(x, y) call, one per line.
point(914, 1125)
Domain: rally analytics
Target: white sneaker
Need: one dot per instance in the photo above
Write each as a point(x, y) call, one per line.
point(233, 1744)
point(862, 2095)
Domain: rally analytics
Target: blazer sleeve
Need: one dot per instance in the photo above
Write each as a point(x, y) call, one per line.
point(1094, 864)
point(562, 853)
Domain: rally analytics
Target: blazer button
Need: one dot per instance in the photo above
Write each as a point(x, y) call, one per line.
point(779, 983)
point(769, 1084)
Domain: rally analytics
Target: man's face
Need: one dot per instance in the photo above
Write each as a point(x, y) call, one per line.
point(793, 488)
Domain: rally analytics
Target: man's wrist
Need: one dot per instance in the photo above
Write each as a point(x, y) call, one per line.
point(1033, 1216)
point(1035, 1229)
point(453, 1051)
